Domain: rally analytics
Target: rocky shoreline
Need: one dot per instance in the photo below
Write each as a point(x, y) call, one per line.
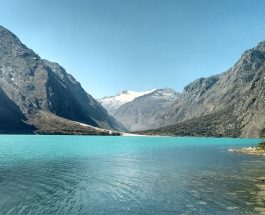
point(249, 150)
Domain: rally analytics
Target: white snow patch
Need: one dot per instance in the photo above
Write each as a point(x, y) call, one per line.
point(125, 96)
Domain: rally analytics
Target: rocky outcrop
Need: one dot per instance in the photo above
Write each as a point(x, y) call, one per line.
point(32, 85)
point(249, 151)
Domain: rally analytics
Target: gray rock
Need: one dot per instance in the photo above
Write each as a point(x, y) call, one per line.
point(230, 104)
point(33, 85)
point(144, 112)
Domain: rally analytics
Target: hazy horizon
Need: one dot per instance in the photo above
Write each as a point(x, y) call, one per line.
point(109, 46)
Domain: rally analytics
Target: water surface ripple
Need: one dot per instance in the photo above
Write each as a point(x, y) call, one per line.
point(128, 175)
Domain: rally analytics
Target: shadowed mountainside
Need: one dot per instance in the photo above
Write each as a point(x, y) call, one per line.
point(36, 86)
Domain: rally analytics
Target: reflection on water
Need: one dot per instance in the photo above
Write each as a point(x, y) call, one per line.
point(106, 175)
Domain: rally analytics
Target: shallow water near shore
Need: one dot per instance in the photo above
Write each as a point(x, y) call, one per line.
point(129, 175)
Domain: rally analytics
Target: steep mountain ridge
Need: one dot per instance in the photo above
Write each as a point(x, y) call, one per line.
point(35, 85)
point(40, 96)
point(238, 93)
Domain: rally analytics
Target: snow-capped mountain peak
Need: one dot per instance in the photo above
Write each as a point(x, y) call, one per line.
point(113, 102)
point(127, 95)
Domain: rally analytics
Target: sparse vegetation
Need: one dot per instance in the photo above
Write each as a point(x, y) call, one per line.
point(219, 124)
point(48, 123)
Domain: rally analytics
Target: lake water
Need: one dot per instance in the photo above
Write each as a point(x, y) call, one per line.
point(128, 175)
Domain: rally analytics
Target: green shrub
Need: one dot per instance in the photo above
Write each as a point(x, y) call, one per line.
point(262, 145)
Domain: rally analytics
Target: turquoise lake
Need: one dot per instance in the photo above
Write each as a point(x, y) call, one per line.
point(128, 175)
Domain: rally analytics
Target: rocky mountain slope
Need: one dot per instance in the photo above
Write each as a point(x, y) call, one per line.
point(31, 88)
point(230, 104)
point(145, 111)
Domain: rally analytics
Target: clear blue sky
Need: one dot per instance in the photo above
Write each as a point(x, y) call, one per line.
point(109, 45)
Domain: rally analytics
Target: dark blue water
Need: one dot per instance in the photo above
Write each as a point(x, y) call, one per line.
point(128, 175)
